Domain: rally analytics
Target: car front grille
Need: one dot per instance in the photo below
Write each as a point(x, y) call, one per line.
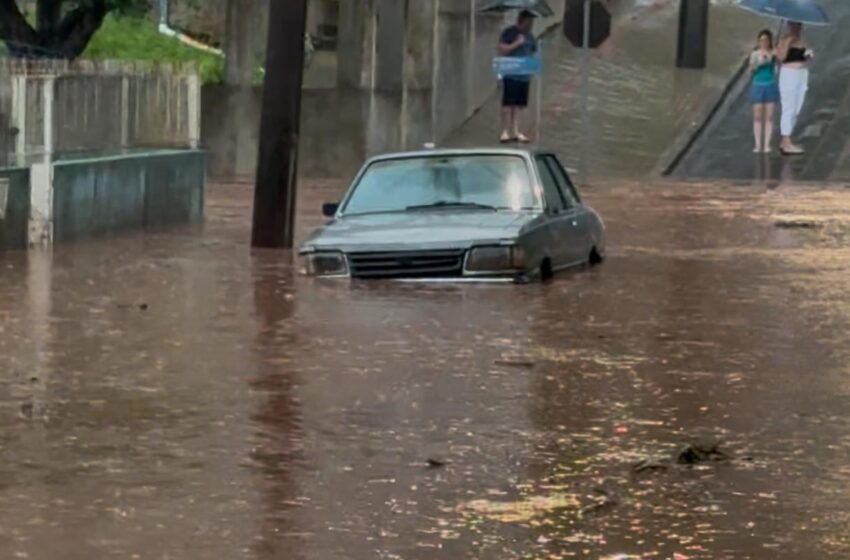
point(407, 264)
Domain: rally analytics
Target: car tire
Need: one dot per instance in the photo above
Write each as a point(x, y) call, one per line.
point(545, 273)
point(594, 258)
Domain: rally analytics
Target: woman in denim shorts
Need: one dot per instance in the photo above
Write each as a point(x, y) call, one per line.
point(764, 91)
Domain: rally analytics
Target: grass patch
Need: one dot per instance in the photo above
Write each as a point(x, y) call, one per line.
point(129, 38)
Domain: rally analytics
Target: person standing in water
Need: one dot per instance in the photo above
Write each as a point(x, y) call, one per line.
point(517, 40)
point(764, 91)
point(794, 56)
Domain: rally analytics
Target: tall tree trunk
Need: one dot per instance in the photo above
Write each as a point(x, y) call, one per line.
point(77, 28)
point(15, 31)
point(48, 13)
point(56, 36)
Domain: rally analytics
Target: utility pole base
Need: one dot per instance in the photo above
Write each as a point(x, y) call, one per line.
point(693, 34)
point(277, 167)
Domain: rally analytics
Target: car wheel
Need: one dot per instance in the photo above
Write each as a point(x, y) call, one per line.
point(545, 273)
point(594, 258)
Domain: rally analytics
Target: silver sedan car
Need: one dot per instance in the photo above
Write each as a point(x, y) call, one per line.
point(459, 215)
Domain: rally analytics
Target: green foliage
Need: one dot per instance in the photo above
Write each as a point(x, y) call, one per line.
point(127, 38)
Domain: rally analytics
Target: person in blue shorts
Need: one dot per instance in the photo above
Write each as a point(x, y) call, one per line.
point(517, 40)
point(764, 91)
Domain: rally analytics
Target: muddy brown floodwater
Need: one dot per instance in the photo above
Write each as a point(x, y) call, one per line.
point(173, 395)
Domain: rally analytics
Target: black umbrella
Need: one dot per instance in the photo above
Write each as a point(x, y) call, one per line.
point(538, 7)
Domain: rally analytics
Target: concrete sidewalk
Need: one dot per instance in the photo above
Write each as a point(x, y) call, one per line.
point(641, 107)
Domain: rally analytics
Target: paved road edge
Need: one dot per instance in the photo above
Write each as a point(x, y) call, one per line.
point(686, 140)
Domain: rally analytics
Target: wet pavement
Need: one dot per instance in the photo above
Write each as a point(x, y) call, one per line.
point(725, 150)
point(641, 106)
point(175, 395)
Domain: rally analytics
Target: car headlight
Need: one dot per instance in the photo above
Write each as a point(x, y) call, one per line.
point(495, 259)
point(325, 263)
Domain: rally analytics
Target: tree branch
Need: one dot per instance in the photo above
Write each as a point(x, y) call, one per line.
point(14, 28)
point(48, 13)
point(77, 28)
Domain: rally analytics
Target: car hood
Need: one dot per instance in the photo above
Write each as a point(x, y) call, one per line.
point(419, 230)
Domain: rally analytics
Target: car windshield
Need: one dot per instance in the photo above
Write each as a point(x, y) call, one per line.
point(477, 182)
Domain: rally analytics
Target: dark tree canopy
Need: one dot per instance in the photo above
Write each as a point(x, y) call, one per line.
point(63, 28)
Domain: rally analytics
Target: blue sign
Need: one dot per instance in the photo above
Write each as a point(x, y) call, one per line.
point(516, 66)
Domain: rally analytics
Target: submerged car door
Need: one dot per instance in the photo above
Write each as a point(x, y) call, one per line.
point(563, 219)
point(581, 217)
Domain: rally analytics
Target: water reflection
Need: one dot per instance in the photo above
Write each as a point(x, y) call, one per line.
point(197, 400)
point(275, 449)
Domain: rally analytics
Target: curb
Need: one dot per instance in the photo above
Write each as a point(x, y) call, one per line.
point(686, 140)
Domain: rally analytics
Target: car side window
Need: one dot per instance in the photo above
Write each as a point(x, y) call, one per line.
point(554, 199)
point(565, 185)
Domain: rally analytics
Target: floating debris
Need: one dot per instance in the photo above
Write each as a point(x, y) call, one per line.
point(700, 453)
point(649, 465)
point(521, 511)
point(797, 223)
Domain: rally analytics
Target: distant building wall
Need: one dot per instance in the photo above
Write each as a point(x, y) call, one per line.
point(204, 18)
point(409, 71)
point(335, 126)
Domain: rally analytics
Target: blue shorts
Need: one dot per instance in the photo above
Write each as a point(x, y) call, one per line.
point(764, 93)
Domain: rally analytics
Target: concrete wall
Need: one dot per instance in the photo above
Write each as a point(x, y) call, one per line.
point(321, 12)
point(96, 196)
point(206, 18)
point(410, 71)
point(13, 224)
point(334, 129)
point(6, 136)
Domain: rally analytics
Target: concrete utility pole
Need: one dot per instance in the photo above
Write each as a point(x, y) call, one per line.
point(693, 34)
point(164, 12)
point(277, 168)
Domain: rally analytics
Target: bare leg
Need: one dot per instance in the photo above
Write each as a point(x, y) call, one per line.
point(515, 121)
point(758, 126)
point(769, 112)
point(506, 123)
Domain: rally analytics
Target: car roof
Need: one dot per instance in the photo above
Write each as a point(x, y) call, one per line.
point(457, 152)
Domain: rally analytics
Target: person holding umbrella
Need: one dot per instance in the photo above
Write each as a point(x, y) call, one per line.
point(517, 40)
point(794, 55)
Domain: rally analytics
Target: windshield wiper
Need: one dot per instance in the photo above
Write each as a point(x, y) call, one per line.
point(449, 204)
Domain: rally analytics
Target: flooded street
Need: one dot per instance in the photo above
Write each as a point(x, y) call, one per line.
point(174, 395)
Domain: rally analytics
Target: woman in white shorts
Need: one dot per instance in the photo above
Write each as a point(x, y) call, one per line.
point(794, 55)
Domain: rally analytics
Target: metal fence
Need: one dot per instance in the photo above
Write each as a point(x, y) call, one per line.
point(57, 107)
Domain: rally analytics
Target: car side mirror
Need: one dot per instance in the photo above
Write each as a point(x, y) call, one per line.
point(329, 209)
